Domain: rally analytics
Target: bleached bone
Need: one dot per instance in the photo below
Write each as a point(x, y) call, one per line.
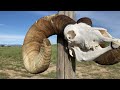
point(85, 41)
point(89, 55)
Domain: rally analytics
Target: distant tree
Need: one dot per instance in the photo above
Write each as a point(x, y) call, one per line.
point(2, 45)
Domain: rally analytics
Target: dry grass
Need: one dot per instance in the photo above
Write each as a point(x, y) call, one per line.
point(92, 70)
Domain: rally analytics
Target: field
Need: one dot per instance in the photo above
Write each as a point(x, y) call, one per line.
point(11, 67)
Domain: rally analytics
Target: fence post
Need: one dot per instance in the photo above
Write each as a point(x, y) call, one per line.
point(66, 65)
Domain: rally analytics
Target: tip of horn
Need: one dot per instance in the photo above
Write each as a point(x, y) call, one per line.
point(85, 20)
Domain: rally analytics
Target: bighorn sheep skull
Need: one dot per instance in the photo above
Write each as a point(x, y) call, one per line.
point(84, 41)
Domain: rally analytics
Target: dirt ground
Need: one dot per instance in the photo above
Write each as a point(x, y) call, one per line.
point(82, 72)
point(23, 74)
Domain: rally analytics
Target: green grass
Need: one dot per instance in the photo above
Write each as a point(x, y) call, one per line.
point(11, 57)
point(54, 54)
point(11, 52)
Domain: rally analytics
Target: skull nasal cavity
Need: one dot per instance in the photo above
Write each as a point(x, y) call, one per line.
point(72, 34)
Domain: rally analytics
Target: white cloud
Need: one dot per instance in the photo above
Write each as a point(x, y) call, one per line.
point(18, 39)
point(11, 39)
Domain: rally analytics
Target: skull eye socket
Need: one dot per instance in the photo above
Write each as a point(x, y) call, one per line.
point(69, 37)
point(71, 34)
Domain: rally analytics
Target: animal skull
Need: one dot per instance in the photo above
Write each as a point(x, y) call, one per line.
point(84, 41)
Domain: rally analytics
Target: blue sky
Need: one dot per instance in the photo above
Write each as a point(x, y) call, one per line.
point(15, 24)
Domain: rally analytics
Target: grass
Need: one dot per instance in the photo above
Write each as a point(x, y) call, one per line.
point(92, 70)
point(11, 59)
point(52, 74)
point(4, 76)
point(54, 54)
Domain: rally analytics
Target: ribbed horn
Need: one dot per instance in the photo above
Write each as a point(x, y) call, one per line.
point(36, 49)
point(109, 58)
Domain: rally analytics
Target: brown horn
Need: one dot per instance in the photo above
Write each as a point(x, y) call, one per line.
point(36, 49)
point(85, 20)
point(109, 58)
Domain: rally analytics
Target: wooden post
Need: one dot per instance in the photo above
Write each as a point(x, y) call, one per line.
point(66, 65)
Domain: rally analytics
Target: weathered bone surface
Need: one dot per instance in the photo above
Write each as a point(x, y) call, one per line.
point(36, 49)
point(88, 43)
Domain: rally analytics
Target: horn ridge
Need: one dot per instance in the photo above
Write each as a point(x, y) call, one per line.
point(36, 49)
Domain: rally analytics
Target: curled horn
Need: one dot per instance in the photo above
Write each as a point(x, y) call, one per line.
point(109, 58)
point(36, 49)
